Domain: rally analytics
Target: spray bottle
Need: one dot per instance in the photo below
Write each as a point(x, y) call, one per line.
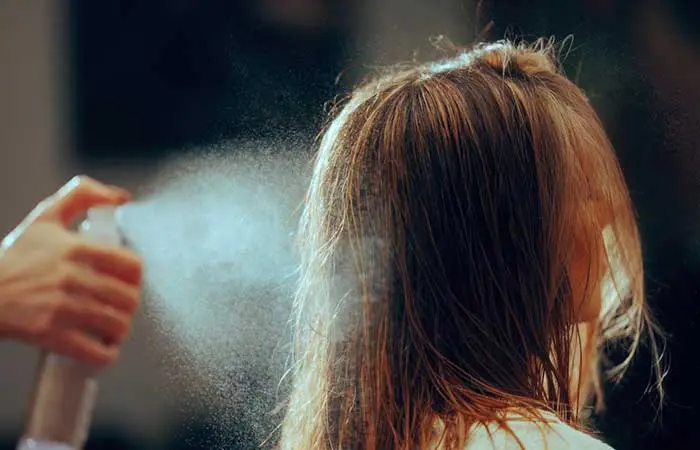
point(65, 389)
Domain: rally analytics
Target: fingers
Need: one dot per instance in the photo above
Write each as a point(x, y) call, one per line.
point(117, 262)
point(76, 197)
point(97, 302)
point(106, 324)
point(113, 292)
point(83, 347)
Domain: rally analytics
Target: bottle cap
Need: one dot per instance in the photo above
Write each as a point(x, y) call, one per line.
point(101, 226)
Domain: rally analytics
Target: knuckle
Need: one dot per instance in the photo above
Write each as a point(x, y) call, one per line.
point(75, 184)
point(81, 181)
point(79, 186)
point(76, 249)
point(41, 328)
point(59, 308)
point(49, 320)
point(65, 278)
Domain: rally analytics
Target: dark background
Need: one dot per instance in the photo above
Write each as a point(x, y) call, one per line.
point(150, 79)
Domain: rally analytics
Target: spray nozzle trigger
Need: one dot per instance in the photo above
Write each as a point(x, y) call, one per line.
point(101, 226)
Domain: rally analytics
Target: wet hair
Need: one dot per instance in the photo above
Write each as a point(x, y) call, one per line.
point(448, 204)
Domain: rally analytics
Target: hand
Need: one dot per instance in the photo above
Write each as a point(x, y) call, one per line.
point(61, 292)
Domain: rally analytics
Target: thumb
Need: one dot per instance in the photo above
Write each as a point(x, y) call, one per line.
point(76, 197)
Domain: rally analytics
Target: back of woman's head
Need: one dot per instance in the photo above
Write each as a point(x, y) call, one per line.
point(462, 219)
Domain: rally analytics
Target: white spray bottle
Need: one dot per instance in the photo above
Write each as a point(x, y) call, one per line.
point(65, 390)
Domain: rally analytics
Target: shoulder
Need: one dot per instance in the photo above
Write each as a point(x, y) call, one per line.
point(550, 435)
point(567, 437)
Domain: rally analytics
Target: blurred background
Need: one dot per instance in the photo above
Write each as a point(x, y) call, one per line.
point(112, 88)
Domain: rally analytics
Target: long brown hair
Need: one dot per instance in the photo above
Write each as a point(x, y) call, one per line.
point(447, 205)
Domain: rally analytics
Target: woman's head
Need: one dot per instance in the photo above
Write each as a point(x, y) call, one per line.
point(463, 218)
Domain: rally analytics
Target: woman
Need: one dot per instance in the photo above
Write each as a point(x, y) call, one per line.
point(469, 246)
point(62, 293)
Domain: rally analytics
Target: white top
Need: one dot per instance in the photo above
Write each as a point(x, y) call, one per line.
point(550, 435)
point(534, 436)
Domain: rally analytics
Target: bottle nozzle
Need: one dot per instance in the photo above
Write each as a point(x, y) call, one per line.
point(101, 225)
